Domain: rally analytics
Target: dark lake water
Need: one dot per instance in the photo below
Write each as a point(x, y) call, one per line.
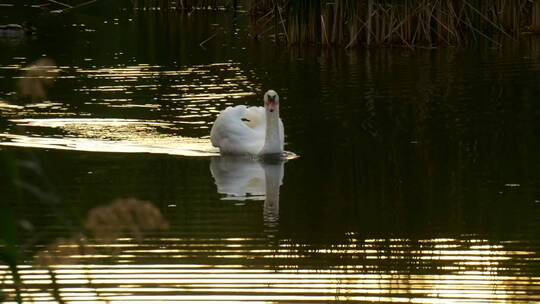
point(418, 176)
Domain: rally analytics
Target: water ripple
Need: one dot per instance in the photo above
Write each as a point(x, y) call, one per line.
point(173, 270)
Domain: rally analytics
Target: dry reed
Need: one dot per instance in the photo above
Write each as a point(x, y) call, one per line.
point(411, 23)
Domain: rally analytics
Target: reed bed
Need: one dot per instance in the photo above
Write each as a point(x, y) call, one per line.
point(411, 23)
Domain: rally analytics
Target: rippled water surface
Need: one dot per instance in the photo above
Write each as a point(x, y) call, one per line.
point(417, 178)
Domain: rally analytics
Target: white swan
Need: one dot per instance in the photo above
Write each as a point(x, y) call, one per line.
point(245, 130)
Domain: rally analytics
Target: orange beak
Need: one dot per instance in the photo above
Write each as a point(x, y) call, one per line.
point(271, 106)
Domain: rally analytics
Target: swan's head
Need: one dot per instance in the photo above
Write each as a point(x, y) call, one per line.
point(271, 100)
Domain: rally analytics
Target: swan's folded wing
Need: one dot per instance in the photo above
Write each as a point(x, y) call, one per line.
point(254, 117)
point(238, 130)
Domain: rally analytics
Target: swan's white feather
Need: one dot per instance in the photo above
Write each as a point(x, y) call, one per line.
point(241, 130)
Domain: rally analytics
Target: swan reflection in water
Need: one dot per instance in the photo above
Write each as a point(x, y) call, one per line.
point(245, 178)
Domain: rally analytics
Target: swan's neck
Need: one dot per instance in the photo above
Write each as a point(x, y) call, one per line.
point(272, 140)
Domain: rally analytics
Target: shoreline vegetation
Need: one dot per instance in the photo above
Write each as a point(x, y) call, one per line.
point(353, 23)
point(425, 23)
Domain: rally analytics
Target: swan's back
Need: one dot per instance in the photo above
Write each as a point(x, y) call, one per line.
point(239, 130)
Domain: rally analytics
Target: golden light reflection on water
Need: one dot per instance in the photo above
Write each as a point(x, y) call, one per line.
point(170, 111)
point(109, 135)
point(165, 145)
point(395, 276)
